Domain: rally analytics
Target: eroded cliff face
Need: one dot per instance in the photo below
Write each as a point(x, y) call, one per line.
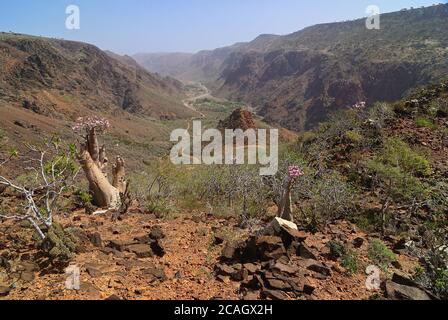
point(297, 80)
point(299, 89)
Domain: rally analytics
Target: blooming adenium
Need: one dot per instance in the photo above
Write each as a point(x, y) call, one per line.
point(89, 123)
point(295, 172)
point(360, 105)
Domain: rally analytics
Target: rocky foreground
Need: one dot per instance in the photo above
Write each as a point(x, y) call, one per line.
point(195, 257)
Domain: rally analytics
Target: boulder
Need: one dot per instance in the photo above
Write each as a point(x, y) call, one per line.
point(118, 245)
point(156, 233)
point(112, 251)
point(90, 289)
point(358, 242)
point(141, 250)
point(219, 239)
point(397, 291)
point(157, 248)
point(317, 267)
point(268, 248)
point(301, 284)
point(277, 284)
point(284, 268)
point(402, 279)
point(93, 272)
point(28, 266)
point(287, 230)
point(230, 251)
point(306, 252)
point(253, 283)
point(278, 224)
point(252, 268)
point(223, 279)
point(240, 275)
point(155, 273)
point(224, 270)
point(95, 239)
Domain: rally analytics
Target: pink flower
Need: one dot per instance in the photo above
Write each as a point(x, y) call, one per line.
point(360, 105)
point(89, 123)
point(295, 172)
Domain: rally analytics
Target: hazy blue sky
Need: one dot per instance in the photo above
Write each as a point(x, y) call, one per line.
point(131, 26)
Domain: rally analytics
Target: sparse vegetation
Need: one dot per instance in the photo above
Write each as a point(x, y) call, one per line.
point(381, 255)
point(351, 262)
point(51, 171)
point(425, 123)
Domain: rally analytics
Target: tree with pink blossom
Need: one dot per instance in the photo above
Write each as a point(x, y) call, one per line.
point(93, 160)
point(285, 207)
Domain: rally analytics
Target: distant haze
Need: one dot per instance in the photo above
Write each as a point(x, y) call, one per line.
point(129, 27)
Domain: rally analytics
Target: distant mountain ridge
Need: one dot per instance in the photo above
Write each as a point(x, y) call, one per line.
point(298, 79)
point(58, 77)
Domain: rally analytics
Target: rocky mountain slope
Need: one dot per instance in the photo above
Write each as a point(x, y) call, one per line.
point(46, 84)
point(298, 79)
point(45, 74)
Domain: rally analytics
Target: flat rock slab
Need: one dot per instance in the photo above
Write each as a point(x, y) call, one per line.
point(306, 252)
point(154, 274)
point(224, 270)
point(94, 272)
point(119, 245)
point(284, 268)
point(141, 250)
point(316, 266)
point(397, 291)
point(252, 268)
point(274, 295)
point(278, 284)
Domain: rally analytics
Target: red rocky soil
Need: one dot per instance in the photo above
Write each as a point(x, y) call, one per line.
point(117, 264)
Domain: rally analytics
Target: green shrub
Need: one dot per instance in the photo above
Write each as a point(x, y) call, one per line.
point(425, 123)
point(398, 185)
point(337, 249)
point(441, 282)
point(381, 255)
point(400, 108)
point(159, 207)
point(350, 262)
point(442, 107)
point(354, 136)
point(397, 153)
point(83, 197)
point(380, 114)
point(325, 198)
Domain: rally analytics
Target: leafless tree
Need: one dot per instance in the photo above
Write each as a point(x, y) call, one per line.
point(51, 170)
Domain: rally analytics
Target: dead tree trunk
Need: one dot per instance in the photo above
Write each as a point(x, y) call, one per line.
point(94, 162)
